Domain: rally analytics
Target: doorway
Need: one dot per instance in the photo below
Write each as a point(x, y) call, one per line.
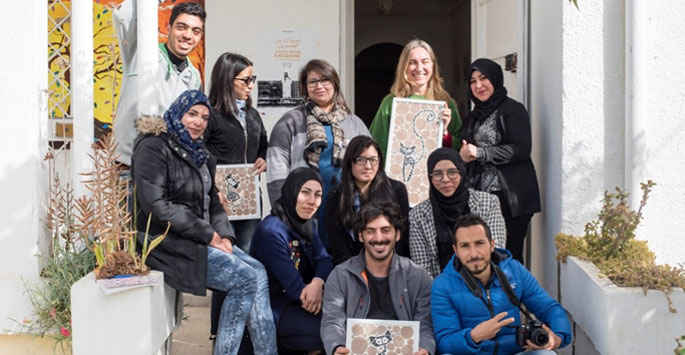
point(383, 27)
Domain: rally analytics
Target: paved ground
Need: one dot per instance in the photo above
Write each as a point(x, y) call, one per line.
point(192, 338)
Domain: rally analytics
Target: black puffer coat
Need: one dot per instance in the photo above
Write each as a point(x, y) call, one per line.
point(168, 185)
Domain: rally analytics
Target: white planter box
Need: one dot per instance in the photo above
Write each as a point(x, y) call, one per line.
point(620, 320)
point(135, 321)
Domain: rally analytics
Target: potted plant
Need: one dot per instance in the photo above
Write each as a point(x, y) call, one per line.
point(621, 299)
point(92, 238)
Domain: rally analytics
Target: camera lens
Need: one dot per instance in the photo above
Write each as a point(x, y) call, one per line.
point(539, 337)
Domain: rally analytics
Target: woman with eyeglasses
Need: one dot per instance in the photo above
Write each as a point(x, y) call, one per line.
point(313, 135)
point(417, 77)
point(496, 149)
point(362, 181)
point(235, 134)
point(450, 196)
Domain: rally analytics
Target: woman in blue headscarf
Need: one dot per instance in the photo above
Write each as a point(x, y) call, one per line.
point(173, 177)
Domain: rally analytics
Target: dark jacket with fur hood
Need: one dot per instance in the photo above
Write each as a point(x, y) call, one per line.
point(168, 186)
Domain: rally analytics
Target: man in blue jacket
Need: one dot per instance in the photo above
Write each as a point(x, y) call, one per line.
point(472, 311)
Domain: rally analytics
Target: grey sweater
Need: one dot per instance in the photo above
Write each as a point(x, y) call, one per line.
point(286, 146)
point(347, 296)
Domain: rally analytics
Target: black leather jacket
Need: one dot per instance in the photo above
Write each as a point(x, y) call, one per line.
point(226, 138)
point(168, 186)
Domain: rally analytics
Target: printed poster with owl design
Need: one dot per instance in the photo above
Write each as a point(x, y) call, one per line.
point(239, 191)
point(415, 132)
point(382, 337)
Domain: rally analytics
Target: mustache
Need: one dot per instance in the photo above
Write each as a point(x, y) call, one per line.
point(475, 259)
point(380, 242)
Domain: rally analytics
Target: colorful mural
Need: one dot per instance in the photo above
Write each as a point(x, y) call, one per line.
point(107, 67)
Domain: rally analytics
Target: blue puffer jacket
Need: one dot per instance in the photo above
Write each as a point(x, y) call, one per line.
point(456, 310)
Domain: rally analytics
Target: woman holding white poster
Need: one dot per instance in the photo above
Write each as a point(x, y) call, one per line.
point(417, 77)
point(235, 134)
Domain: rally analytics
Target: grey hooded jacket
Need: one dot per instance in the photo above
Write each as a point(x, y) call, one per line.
point(347, 295)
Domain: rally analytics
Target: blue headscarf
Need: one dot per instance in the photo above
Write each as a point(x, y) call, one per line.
point(176, 128)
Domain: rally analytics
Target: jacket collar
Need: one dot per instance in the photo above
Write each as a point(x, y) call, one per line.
point(358, 264)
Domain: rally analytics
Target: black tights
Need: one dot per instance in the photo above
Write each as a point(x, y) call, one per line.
point(517, 228)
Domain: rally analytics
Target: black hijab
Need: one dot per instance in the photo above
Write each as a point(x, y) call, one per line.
point(284, 207)
point(446, 209)
point(482, 110)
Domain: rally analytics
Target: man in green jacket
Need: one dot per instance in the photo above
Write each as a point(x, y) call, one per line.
point(377, 284)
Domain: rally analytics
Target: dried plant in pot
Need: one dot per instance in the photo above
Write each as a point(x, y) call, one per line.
point(609, 242)
point(105, 218)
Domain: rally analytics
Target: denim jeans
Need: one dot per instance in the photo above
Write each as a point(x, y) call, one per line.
point(243, 233)
point(247, 300)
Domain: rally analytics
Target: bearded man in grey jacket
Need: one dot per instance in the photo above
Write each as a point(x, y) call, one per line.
point(377, 284)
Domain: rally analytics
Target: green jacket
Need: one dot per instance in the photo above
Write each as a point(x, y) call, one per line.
point(380, 127)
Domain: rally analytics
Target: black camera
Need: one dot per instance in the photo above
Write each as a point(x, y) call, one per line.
point(532, 331)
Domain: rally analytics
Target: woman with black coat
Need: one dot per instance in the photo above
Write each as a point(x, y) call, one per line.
point(496, 144)
point(174, 184)
point(362, 181)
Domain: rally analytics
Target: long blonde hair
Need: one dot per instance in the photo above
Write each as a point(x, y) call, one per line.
point(402, 87)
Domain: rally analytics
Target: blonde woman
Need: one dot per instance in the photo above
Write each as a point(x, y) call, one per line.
point(417, 77)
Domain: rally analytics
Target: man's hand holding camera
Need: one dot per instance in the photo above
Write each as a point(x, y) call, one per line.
point(553, 343)
point(488, 329)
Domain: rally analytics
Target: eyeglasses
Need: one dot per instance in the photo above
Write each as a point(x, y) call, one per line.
point(248, 79)
point(326, 82)
point(362, 160)
point(437, 175)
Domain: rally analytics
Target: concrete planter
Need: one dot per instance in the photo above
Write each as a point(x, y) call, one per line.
point(135, 321)
point(619, 320)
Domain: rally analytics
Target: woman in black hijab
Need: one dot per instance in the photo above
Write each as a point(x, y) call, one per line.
point(431, 221)
point(287, 243)
point(496, 143)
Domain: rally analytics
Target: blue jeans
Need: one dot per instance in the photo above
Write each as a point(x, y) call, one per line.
point(243, 233)
point(247, 300)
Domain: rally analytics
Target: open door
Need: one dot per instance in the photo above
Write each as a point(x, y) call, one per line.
point(499, 32)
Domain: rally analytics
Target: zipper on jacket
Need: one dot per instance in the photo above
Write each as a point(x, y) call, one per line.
point(245, 150)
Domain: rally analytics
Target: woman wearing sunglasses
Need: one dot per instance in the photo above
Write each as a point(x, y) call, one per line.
point(313, 135)
point(235, 134)
point(362, 181)
point(450, 196)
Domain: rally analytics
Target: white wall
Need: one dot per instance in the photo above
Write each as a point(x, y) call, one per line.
point(664, 57)
point(578, 100)
point(23, 133)
point(545, 112)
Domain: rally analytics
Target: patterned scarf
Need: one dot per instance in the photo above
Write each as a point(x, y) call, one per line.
point(316, 134)
point(177, 130)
